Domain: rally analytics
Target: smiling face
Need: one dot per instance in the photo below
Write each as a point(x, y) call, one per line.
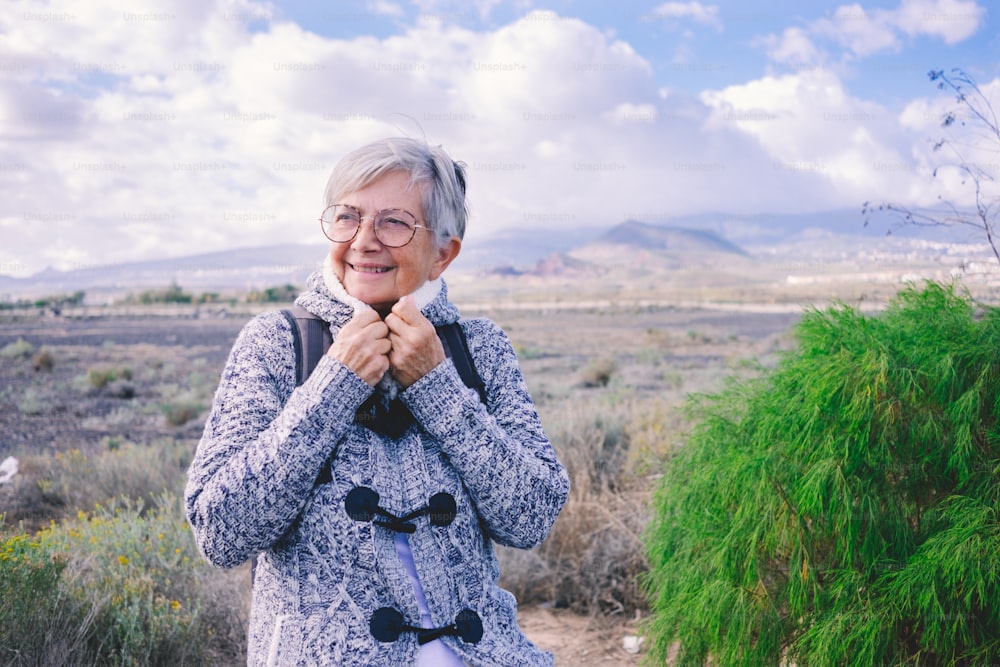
point(378, 275)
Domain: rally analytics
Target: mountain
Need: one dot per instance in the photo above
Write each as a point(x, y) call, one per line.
point(635, 243)
point(655, 248)
point(239, 269)
point(670, 240)
point(518, 249)
point(702, 245)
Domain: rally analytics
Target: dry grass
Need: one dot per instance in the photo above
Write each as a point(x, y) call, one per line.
point(87, 444)
point(592, 559)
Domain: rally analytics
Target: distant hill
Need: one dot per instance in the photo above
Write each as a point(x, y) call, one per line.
point(656, 248)
point(705, 243)
point(239, 269)
point(556, 264)
point(519, 249)
point(668, 239)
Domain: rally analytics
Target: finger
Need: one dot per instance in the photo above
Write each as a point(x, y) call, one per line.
point(417, 325)
point(406, 309)
point(365, 325)
point(376, 330)
point(374, 371)
point(357, 323)
point(363, 318)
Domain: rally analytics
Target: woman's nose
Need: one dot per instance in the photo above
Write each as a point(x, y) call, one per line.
point(365, 239)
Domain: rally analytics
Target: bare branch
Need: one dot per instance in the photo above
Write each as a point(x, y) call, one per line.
point(976, 107)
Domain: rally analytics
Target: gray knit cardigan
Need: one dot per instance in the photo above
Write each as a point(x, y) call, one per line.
point(320, 574)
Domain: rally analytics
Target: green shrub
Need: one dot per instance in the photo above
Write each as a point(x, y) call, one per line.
point(178, 413)
point(102, 377)
point(30, 577)
point(116, 586)
point(526, 353)
point(32, 402)
point(173, 293)
point(207, 297)
point(19, 349)
point(843, 508)
point(281, 293)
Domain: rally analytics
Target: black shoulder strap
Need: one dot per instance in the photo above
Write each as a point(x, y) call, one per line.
point(310, 338)
point(456, 347)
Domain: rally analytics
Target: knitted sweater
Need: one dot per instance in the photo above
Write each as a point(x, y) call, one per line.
point(322, 575)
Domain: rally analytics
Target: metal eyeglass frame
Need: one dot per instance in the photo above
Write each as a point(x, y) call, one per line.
point(372, 217)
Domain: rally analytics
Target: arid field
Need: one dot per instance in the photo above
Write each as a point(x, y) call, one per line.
point(609, 381)
point(99, 402)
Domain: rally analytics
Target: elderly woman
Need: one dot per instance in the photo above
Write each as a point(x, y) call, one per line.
point(371, 495)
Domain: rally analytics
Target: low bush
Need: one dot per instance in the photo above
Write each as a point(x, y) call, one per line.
point(178, 413)
point(35, 614)
point(77, 480)
point(842, 508)
point(278, 294)
point(19, 349)
point(98, 378)
point(43, 360)
point(32, 401)
point(598, 373)
point(121, 585)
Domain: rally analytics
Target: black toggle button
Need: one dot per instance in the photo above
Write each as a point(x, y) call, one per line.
point(469, 626)
point(441, 508)
point(361, 504)
point(386, 624)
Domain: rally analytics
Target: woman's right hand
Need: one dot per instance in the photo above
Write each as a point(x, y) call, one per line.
point(363, 346)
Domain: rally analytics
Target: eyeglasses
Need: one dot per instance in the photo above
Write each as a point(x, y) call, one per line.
point(393, 227)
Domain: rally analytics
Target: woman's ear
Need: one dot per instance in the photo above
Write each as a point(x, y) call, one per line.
point(445, 257)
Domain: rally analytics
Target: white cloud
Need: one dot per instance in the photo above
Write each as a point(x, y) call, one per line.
point(862, 32)
point(859, 31)
point(450, 10)
point(810, 125)
point(626, 112)
point(183, 128)
point(694, 11)
point(195, 133)
point(793, 47)
point(386, 8)
point(968, 142)
point(951, 20)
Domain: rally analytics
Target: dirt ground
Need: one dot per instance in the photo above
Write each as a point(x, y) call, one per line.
point(175, 359)
point(580, 641)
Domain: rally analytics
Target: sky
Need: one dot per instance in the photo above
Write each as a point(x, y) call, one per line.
point(158, 128)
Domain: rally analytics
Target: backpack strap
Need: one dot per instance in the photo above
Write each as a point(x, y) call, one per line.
point(456, 347)
point(311, 339)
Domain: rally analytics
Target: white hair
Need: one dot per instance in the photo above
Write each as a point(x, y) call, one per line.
point(440, 179)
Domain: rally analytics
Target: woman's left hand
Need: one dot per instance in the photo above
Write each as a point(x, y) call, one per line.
point(416, 348)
